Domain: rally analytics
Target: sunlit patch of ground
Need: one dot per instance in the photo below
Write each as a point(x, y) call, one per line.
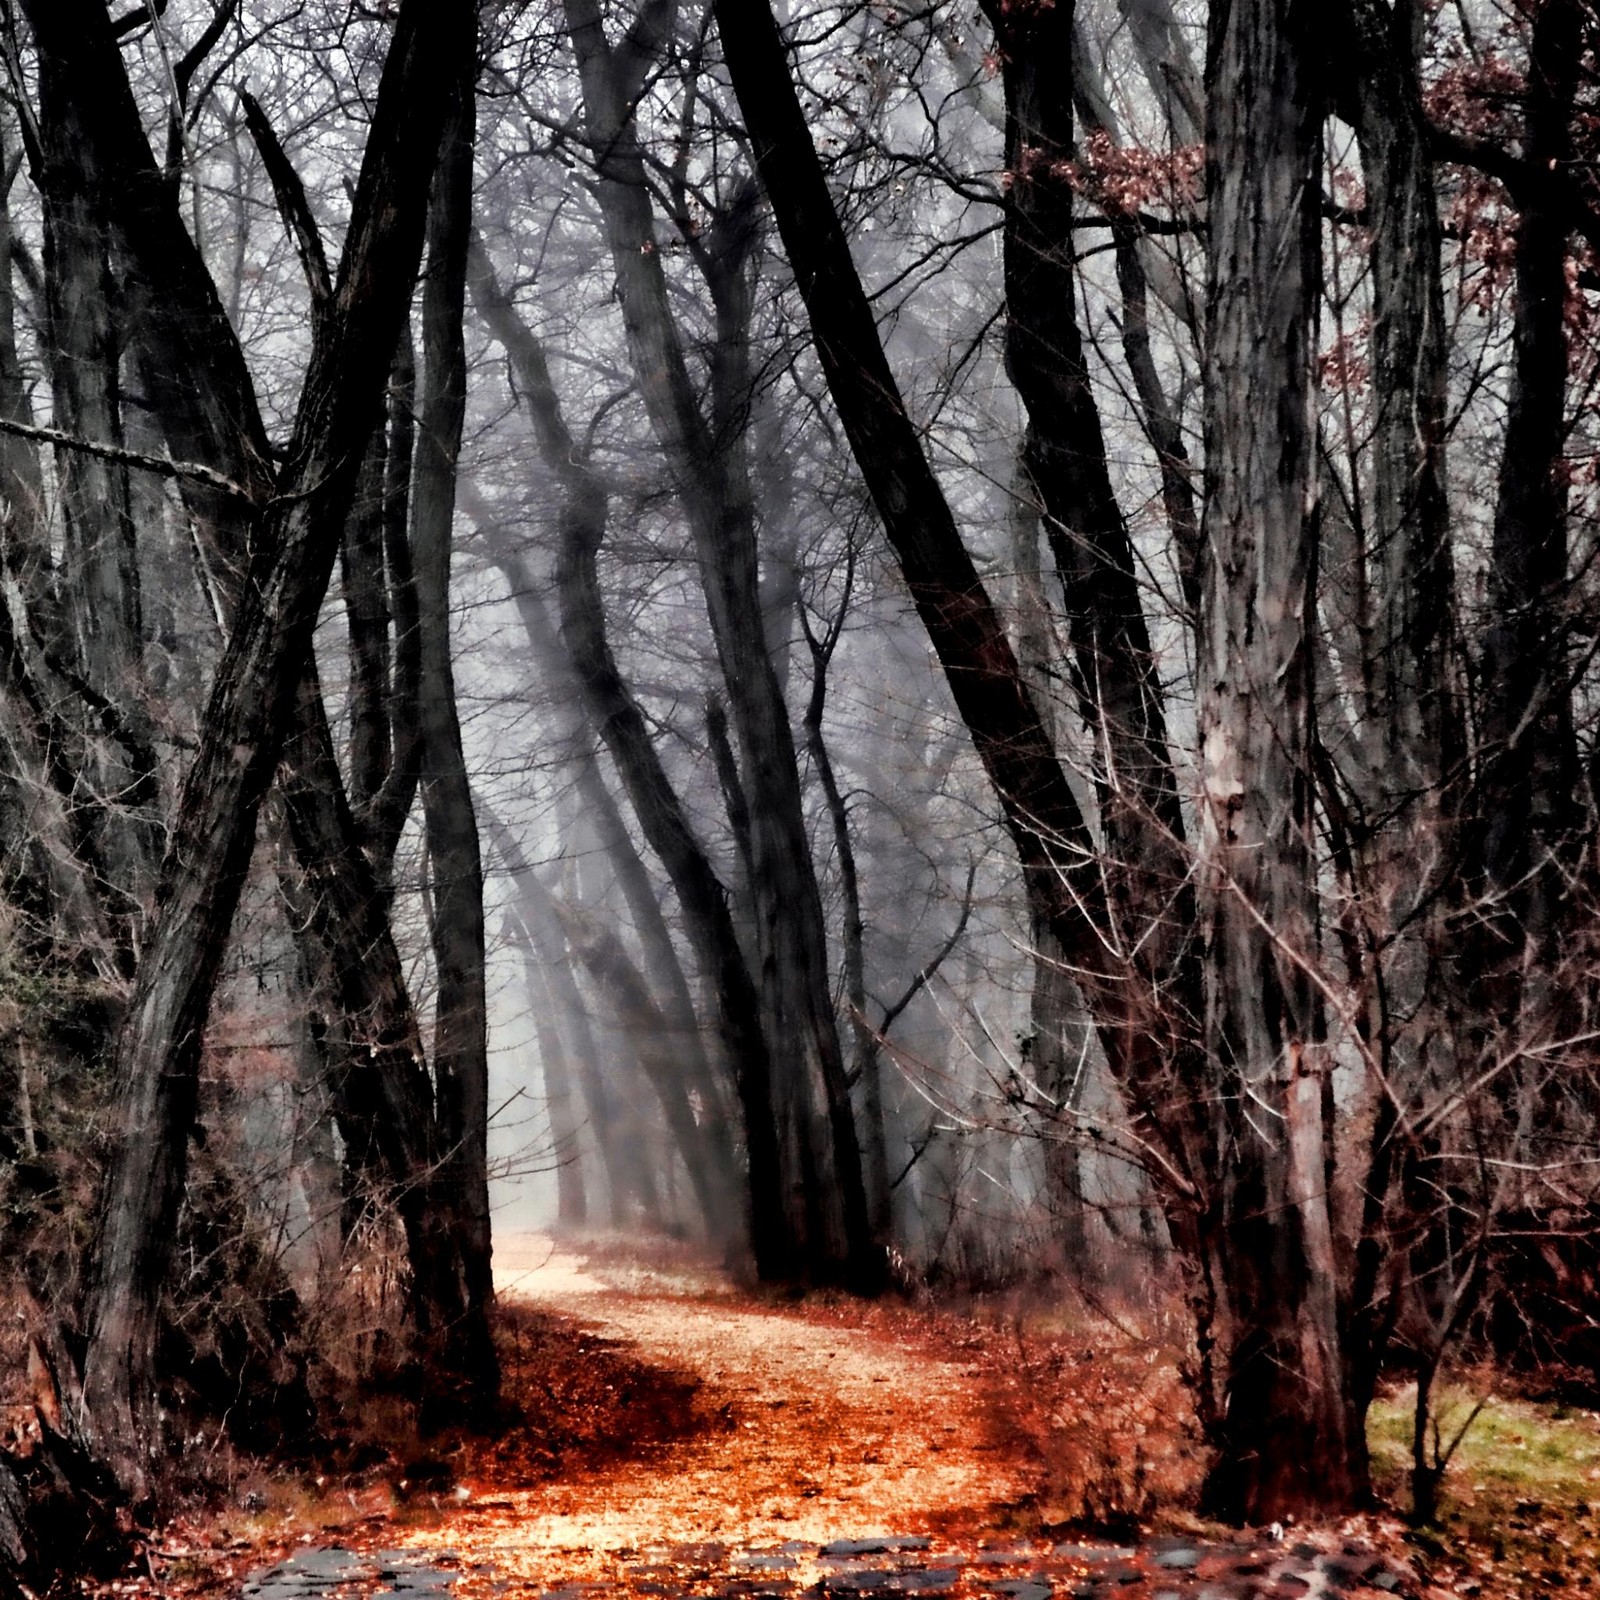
point(807, 1429)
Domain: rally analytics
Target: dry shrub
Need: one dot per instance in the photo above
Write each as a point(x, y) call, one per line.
point(1088, 1386)
point(1104, 1410)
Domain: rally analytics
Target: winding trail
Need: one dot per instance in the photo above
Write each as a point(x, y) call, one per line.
point(832, 1461)
point(833, 1432)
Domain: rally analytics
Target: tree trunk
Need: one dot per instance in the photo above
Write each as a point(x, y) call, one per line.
point(628, 1185)
point(461, 1016)
point(1053, 999)
point(158, 1050)
point(366, 606)
point(202, 398)
point(96, 637)
point(1286, 1430)
point(1530, 753)
point(1064, 456)
point(866, 1065)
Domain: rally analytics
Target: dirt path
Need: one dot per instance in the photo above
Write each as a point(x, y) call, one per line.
point(831, 1432)
point(820, 1458)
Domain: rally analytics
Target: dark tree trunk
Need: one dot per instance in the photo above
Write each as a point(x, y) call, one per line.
point(461, 1015)
point(382, 1095)
point(866, 1066)
point(251, 706)
point(1119, 693)
point(201, 394)
point(1529, 752)
point(1137, 264)
point(1149, 1046)
point(1286, 1428)
point(92, 633)
point(366, 605)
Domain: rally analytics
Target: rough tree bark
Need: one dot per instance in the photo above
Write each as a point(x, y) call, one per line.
point(158, 1048)
point(1530, 753)
point(1286, 1383)
point(94, 622)
point(203, 400)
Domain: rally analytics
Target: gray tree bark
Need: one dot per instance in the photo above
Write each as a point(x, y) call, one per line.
point(1285, 1383)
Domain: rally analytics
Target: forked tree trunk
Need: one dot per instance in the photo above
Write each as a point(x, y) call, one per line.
point(1285, 1429)
point(158, 1050)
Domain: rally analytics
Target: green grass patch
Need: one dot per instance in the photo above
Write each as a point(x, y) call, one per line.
point(1516, 1506)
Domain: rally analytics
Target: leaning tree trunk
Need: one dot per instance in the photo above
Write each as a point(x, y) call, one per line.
point(158, 1050)
point(461, 1014)
point(1155, 1063)
point(1065, 466)
point(1285, 1429)
point(201, 396)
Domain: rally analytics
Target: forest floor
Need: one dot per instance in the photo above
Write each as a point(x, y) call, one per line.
point(677, 1436)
